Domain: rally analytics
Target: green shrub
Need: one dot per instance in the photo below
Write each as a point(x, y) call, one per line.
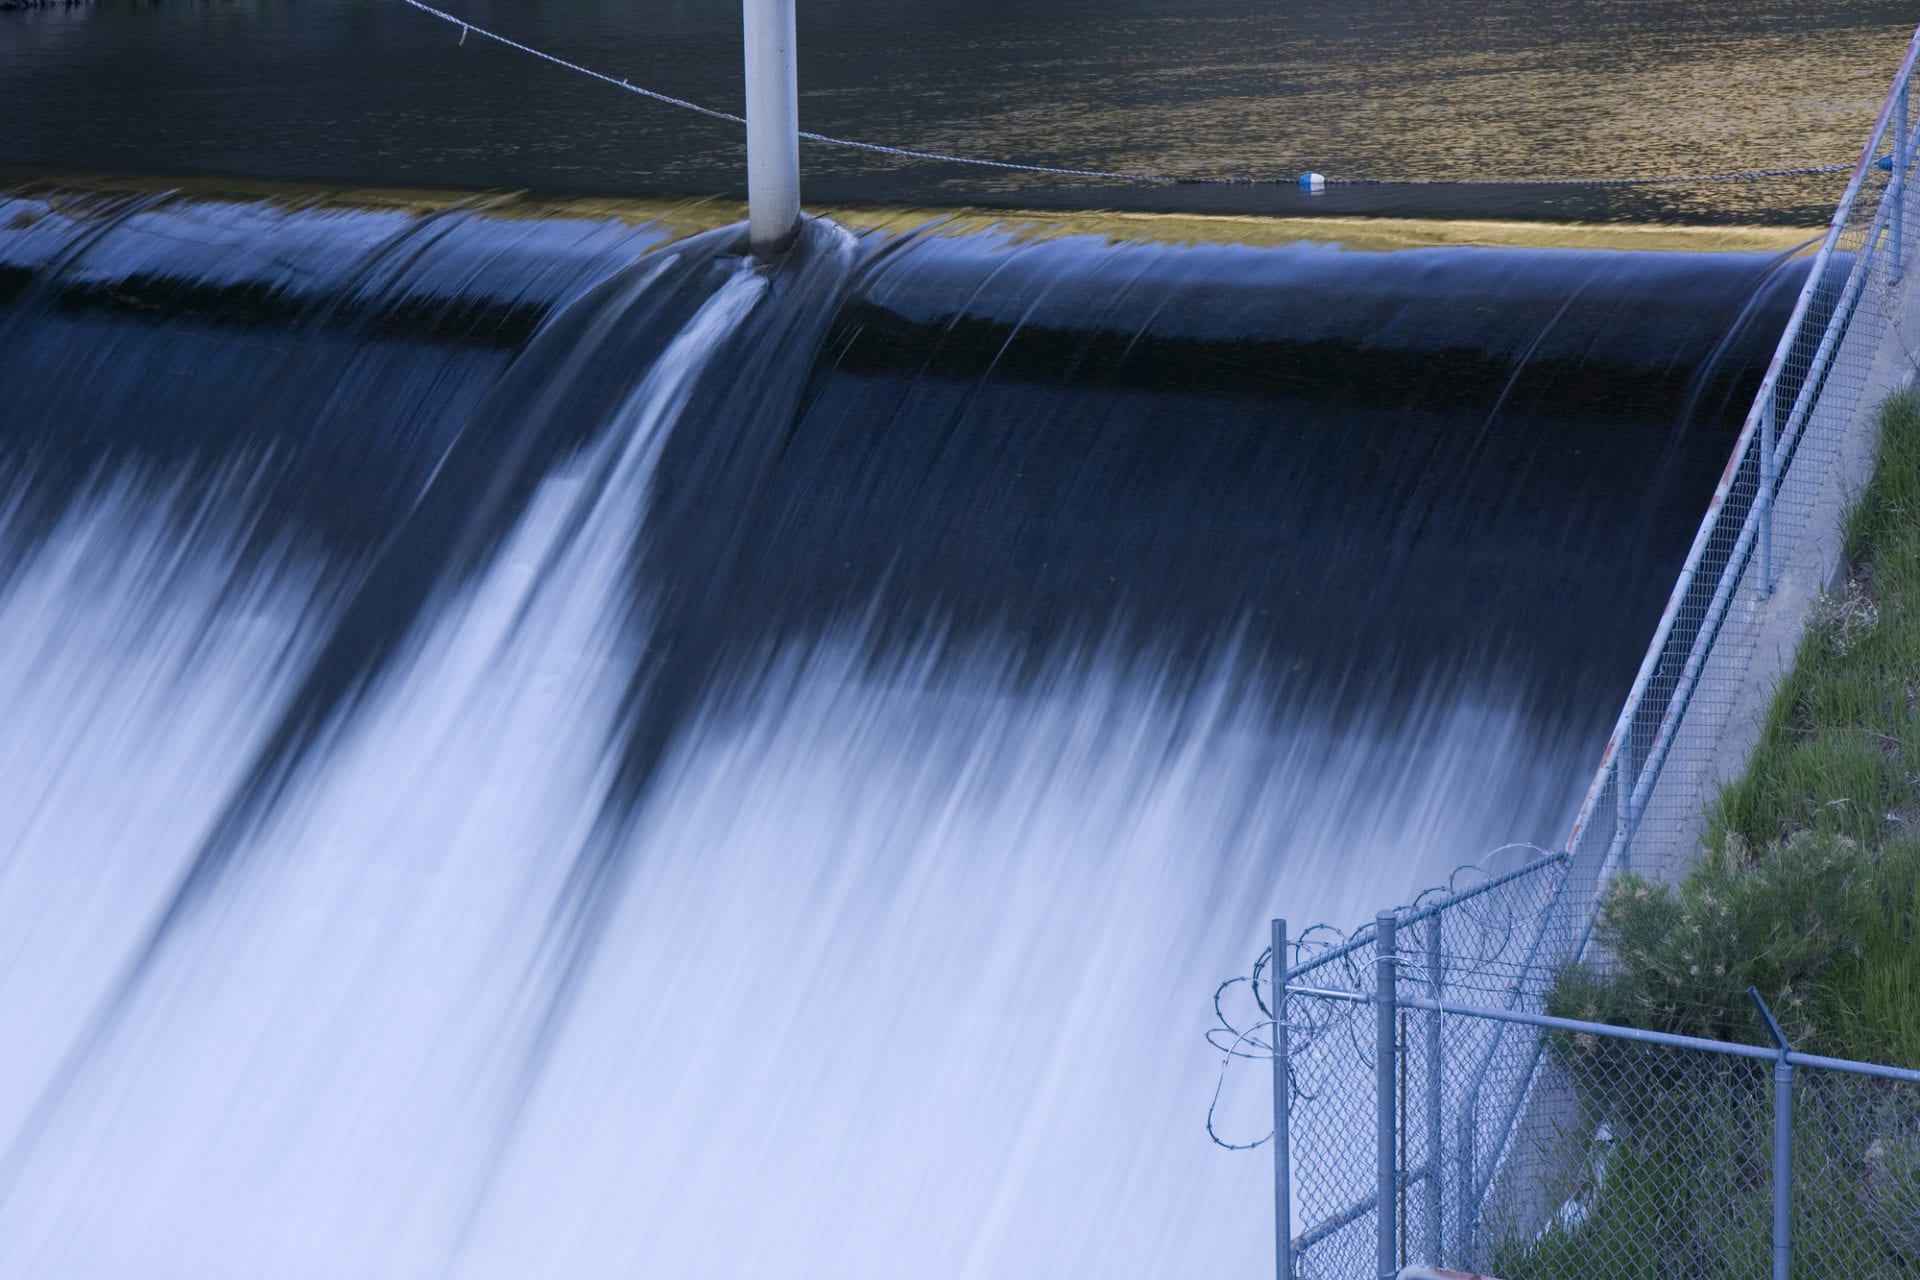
point(1682, 960)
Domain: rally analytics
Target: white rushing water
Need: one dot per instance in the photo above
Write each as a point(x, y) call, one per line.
point(906, 975)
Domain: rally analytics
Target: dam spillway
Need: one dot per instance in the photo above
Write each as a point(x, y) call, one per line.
point(537, 748)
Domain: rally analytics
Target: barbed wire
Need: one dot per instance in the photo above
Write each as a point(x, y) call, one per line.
point(1496, 948)
point(1485, 929)
point(1219, 1084)
point(1112, 175)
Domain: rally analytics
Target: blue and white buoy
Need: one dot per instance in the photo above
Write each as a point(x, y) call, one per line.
point(1313, 183)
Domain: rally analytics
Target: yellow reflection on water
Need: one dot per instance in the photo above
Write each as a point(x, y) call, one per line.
point(691, 216)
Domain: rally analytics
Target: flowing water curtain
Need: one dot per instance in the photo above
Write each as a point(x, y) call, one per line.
point(958, 679)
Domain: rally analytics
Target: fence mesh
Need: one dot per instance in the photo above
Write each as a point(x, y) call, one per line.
point(1530, 1153)
point(1493, 941)
point(1574, 1151)
point(1332, 1058)
point(1846, 338)
point(1655, 1161)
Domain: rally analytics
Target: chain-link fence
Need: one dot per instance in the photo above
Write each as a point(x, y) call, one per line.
point(1510, 1143)
point(1494, 942)
point(1428, 1111)
point(1655, 1158)
point(1841, 349)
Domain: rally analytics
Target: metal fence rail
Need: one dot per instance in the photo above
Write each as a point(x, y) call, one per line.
point(1426, 1109)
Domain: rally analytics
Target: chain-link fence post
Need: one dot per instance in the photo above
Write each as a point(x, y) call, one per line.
point(1386, 1130)
point(1782, 1142)
point(1467, 1207)
point(1434, 1101)
point(1782, 1168)
point(1282, 1105)
point(1769, 468)
point(1623, 795)
point(1902, 157)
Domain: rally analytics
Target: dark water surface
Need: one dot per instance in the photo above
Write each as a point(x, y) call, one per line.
point(369, 91)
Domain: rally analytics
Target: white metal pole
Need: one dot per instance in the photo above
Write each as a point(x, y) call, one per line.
point(773, 127)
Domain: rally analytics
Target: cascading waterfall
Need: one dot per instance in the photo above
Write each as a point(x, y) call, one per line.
point(535, 749)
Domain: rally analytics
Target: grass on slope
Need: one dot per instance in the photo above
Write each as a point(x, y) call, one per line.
point(1809, 890)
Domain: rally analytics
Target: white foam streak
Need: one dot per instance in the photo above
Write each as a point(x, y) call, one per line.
point(310, 1074)
point(131, 697)
point(912, 977)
